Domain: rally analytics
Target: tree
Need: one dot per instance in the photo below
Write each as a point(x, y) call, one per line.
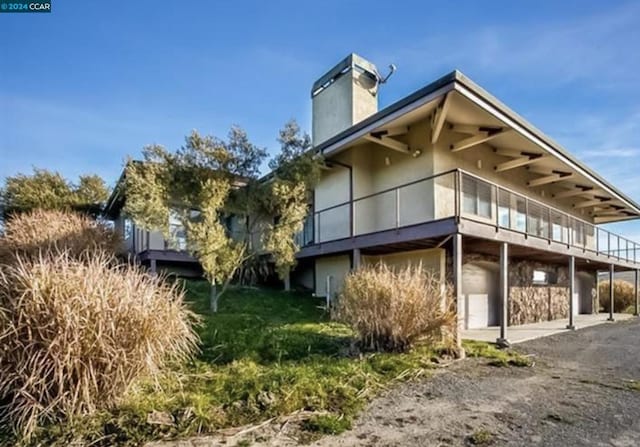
point(296, 171)
point(49, 190)
point(209, 180)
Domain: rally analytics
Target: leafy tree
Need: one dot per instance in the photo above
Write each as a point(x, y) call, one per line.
point(209, 180)
point(49, 190)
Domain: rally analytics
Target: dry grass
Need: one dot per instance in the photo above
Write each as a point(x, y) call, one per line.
point(390, 310)
point(39, 231)
point(622, 295)
point(76, 332)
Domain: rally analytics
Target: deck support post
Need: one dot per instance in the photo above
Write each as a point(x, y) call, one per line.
point(153, 267)
point(636, 289)
point(502, 341)
point(612, 271)
point(287, 282)
point(572, 291)
point(356, 259)
point(458, 296)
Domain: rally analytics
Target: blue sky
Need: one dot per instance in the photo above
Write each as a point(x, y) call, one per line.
point(92, 82)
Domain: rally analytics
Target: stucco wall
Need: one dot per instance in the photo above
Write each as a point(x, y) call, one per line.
point(481, 159)
point(431, 259)
point(335, 266)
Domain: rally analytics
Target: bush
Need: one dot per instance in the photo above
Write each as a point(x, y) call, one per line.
point(35, 232)
point(76, 333)
point(390, 310)
point(622, 295)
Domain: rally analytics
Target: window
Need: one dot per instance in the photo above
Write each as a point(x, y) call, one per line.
point(177, 233)
point(476, 197)
point(540, 277)
point(544, 277)
point(127, 228)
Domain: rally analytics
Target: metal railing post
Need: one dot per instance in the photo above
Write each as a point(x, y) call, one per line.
point(397, 208)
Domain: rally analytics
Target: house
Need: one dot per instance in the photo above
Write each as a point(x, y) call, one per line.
point(157, 253)
point(451, 177)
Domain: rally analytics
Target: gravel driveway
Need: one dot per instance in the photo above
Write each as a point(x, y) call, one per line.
point(579, 393)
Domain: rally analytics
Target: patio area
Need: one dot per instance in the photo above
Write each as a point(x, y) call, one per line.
point(522, 333)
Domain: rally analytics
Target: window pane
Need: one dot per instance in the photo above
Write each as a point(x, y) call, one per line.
point(520, 207)
point(484, 199)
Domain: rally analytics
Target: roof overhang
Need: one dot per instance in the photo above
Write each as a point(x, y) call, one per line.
point(486, 120)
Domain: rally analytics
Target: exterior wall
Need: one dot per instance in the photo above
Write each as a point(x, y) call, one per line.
point(335, 266)
point(432, 259)
point(481, 160)
point(528, 302)
point(375, 169)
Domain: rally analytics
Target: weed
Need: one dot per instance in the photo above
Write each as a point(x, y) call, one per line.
point(481, 437)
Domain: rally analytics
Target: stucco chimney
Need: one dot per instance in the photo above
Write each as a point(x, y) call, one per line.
point(344, 96)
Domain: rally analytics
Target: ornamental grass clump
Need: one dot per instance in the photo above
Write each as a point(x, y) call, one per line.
point(39, 231)
point(76, 332)
point(623, 295)
point(390, 310)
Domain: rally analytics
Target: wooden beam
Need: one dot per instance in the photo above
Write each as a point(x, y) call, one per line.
point(394, 131)
point(440, 118)
point(550, 179)
point(518, 162)
point(511, 153)
point(475, 140)
point(389, 143)
point(574, 192)
point(590, 203)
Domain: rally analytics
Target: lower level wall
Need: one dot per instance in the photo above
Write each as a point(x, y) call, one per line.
point(529, 302)
point(337, 267)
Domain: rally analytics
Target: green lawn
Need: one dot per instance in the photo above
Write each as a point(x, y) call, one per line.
point(266, 353)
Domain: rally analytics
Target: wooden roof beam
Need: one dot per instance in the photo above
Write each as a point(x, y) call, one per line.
point(479, 138)
point(552, 178)
point(389, 143)
point(439, 118)
point(575, 192)
point(518, 162)
point(591, 203)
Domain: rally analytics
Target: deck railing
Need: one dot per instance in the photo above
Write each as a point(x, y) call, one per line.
point(459, 193)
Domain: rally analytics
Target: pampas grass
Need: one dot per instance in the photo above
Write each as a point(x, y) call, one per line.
point(390, 310)
point(39, 231)
point(623, 295)
point(76, 331)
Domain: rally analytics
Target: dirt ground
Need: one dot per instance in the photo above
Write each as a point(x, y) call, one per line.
point(580, 392)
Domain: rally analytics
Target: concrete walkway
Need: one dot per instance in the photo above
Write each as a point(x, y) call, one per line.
point(524, 332)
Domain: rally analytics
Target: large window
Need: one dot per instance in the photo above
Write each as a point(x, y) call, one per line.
point(177, 233)
point(476, 197)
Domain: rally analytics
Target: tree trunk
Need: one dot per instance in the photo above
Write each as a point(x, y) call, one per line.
point(213, 298)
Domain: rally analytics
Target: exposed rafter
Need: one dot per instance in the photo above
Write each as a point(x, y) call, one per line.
point(439, 118)
point(552, 178)
point(520, 161)
point(591, 203)
point(392, 131)
point(479, 138)
point(579, 191)
point(389, 142)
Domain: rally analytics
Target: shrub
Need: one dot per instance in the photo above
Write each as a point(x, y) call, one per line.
point(29, 234)
point(622, 295)
point(391, 309)
point(76, 333)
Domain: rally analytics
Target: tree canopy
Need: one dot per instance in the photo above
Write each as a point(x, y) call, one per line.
point(209, 182)
point(49, 190)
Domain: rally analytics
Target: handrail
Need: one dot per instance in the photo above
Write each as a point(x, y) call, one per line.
point(384, 191)
point(630, 252)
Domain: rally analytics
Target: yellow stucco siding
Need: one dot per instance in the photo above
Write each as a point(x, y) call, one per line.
point(433, 259)
point(337, 267)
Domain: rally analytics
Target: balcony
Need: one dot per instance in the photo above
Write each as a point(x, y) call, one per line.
point(461, 195)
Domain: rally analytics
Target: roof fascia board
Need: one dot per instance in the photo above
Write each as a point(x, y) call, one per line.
point(480, 99)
